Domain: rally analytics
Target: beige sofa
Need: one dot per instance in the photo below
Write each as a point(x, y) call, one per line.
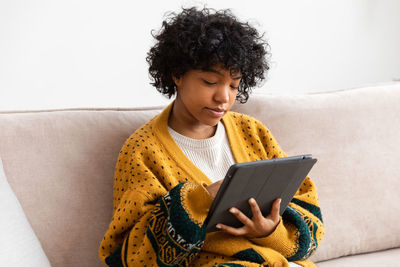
point(60, 165)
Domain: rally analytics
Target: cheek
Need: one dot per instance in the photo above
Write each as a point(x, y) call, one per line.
point(201, 94)
point(233, 95)
point(197, 96)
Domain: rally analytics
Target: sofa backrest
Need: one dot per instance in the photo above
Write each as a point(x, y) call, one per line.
point(60, 164)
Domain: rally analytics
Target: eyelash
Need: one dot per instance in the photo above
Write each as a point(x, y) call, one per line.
point(208, 83)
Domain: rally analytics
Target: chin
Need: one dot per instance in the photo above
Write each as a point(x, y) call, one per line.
point(211, 122)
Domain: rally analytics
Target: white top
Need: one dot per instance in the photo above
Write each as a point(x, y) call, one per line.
point(213, 156)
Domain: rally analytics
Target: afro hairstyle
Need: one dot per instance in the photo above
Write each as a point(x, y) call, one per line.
point(200, 39)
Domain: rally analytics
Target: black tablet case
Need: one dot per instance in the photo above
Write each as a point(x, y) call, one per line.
point(264, 180)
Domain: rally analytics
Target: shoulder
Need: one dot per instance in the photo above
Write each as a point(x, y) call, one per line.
point(142, 139)
point(251, 127)
point(246, 122)
point(254, 133)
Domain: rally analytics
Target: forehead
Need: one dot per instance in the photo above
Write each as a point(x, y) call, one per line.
point(219, 70)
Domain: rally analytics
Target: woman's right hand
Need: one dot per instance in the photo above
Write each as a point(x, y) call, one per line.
point(213, 188)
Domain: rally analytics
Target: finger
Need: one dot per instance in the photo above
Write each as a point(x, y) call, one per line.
point(275, 209)
point(231, 230)
point(255, 209)
point(241, 217)
point(218, 184)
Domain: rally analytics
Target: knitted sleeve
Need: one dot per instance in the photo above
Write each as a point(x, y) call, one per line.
point(151, 225)
point(301, 228)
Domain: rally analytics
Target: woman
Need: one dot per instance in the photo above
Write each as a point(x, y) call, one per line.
point(170, 169)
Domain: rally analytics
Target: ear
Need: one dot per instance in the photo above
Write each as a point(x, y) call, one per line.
point(177, 81)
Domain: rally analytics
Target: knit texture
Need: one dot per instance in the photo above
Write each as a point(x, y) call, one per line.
point(160, 205)
point(213, 156)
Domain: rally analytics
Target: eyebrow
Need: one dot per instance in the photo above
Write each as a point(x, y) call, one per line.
point(219, 73)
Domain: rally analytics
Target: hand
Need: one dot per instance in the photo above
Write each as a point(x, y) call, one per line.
point(258, 225)
point(213, 188)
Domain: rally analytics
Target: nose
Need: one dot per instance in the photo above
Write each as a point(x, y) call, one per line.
point(222, 94)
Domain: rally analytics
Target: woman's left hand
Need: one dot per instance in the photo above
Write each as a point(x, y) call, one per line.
point(258, 225)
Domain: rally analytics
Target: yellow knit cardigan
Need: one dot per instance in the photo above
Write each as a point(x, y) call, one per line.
point(160, 205)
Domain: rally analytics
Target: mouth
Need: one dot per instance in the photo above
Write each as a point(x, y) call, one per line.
point(216, 112)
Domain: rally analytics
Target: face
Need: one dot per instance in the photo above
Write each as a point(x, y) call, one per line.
point(204, 96)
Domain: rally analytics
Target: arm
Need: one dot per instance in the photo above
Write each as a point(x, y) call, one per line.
point(167, 232)
point(149, 223)
point(301, 226)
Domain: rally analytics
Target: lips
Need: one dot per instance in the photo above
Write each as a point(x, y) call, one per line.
point(218, 109)
point(217, 112)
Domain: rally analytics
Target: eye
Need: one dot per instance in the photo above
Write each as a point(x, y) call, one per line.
point(235, 87)
point(209, 83)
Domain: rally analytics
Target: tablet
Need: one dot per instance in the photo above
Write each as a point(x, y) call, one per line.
point(264, 180)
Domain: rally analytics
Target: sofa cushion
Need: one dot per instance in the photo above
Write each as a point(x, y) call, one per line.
point(355, 135)
point(390, 257)
point(19, 245)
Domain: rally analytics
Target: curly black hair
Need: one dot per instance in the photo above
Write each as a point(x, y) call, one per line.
point(200, 39)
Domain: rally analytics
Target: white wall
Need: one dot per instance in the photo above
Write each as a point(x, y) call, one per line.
point(87, 53)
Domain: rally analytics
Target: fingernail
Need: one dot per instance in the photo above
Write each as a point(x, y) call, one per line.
point(232, 210)
point(218, 226)
point(252, 200)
